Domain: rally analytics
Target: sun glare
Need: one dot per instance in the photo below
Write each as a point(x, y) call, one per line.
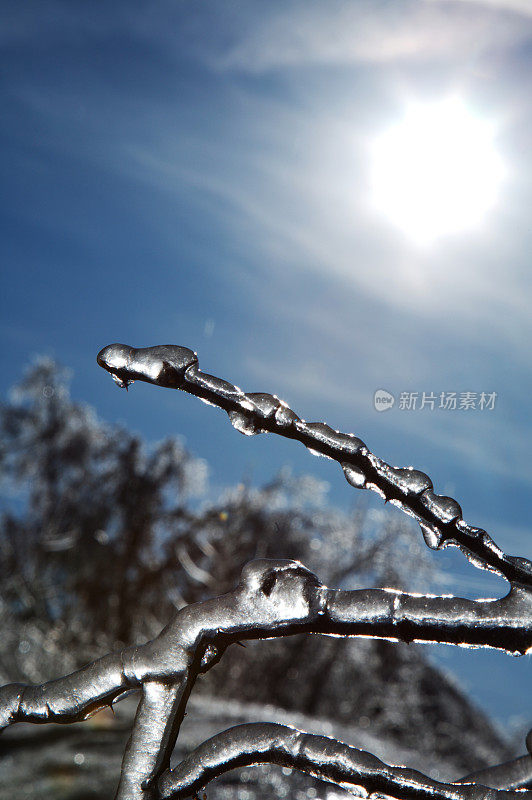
point(437, 171)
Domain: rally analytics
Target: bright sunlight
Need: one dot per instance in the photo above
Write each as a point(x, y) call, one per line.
point(437, 171)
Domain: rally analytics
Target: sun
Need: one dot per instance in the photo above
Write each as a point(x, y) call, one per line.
point(437, 171)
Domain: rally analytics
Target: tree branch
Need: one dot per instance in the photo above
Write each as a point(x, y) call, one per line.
point(153, 737)
point(319, 756)
point(440, 517)
point(513, 774)
point(272, 599)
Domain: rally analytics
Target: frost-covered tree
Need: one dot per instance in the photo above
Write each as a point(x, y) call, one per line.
point(87, 520)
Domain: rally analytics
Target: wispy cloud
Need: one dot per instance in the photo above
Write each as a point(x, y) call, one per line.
point(287, 179)
point(516, 6)
point(256, 37)
point(292, 197)
point(471, 435)
point(341, 33)
point(306, 206)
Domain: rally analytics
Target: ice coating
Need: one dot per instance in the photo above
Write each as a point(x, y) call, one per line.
point(212, 384)
point(285, 417)
point(266, 404)
point(409, 480)
point(163, 365)
point(444, 508)
point(273, 598)
point(411, 490)
point(322, 757)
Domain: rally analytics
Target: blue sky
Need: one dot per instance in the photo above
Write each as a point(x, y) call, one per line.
point(199, 174)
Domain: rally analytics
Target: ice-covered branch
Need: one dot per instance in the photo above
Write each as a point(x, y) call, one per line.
point(282, 598)
point(272, 599)
point(319, 756)
point(440, 517)
point(513, 774)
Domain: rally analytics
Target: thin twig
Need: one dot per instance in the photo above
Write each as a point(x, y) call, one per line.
point(440, 518)
point(319, 756)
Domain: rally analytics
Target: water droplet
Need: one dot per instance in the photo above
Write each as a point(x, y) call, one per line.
point(349, 443)
point(210, 653)
point(284, 416)
point(431, 535)
point(123, 383)
point(409, 480)
point(243, 423)
point(354, 476)
point(323, 433)
point(443, 508)
point(267, 404)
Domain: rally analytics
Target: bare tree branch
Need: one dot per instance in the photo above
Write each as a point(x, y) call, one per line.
point(440, 517)
point(320, 756)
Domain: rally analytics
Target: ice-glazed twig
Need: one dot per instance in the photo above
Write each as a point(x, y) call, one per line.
point(152, 740)
point(319, 756)
point(513, 774)
point(273, 599)
point(440, 517)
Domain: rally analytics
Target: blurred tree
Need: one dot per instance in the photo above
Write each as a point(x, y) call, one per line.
point(88, 516)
